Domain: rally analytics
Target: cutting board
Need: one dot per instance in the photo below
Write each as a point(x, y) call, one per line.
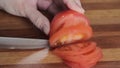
point(105, 20)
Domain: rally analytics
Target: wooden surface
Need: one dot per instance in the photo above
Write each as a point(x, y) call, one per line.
point(105, 20)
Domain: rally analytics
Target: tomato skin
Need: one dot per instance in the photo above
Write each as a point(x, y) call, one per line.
point(63, 18)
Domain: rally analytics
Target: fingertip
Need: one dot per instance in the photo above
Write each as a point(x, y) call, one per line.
point(81, 10)
point(44, 25)
point(46, 28)
point(75, 5)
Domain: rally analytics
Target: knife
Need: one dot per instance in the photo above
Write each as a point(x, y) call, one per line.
point(22, 43)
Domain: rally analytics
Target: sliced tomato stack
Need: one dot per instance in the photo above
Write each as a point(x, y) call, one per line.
point(79, 55)
point(69, 35)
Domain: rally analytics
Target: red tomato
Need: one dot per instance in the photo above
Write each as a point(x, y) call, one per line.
point(70, 30)
point(69, 26)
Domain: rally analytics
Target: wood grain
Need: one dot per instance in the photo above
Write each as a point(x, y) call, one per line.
point(105, 64)
point(104, 16)
point(10, 58)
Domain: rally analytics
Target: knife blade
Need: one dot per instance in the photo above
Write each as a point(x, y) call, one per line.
point(22, 43)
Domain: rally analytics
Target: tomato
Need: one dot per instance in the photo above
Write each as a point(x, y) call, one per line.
point(69, 26)
point(69, 35)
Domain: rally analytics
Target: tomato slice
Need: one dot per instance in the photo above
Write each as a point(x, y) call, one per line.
point(79, 65)
point(76, 49)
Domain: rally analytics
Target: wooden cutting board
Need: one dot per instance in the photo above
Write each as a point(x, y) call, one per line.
point(105, 20)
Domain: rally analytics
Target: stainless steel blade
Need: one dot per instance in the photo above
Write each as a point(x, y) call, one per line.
point(22, 43)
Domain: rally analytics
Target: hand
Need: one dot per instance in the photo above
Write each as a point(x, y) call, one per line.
point(28, 9)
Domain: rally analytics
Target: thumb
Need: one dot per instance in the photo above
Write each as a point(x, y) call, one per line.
point(74, 5)
point(39, 20)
